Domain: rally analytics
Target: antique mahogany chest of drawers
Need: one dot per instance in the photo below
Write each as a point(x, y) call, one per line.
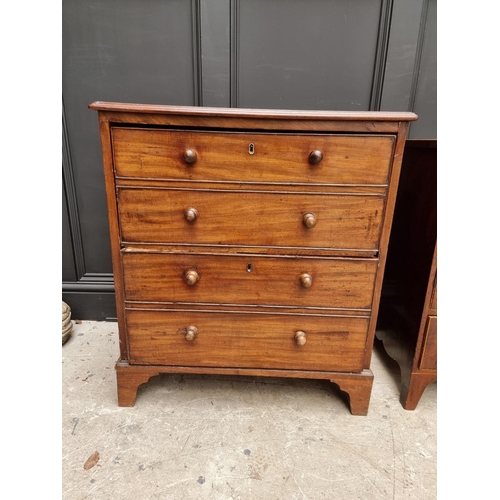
point(249, 242)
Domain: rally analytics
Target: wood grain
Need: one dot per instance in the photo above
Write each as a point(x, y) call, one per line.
point(114, 231)
point(433, 305)
point(408, 319)
point(250, 218)
point(428, 359)
point(358, 389)
point(150, 153)
point(286, 114)
point(246, 340)
point(215, 185)
point(346, 283)
point(262, 123)
point(413, 388)
point(249, 241)
point(357, 385)
point(385, 235)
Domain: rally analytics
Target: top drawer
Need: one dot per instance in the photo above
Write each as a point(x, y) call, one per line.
point(252, 157)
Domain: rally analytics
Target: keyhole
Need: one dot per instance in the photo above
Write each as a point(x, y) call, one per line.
point(249, 268)
point(251, 148)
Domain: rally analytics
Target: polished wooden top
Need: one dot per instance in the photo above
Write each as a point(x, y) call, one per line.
point(254, 113)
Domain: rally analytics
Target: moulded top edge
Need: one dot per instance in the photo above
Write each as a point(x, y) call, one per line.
point(253, 113)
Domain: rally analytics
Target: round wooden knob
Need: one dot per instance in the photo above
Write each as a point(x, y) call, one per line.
point(309, 220)
point(190, 156)
point(315, 156)
point(191, 332)
point(306, 280)
point(300, 338)
point(191, 214)
point(191, 277)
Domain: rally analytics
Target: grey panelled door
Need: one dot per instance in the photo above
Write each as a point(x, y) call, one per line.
point(114, 50)
point(319, 54)
point(411, 65)
point(300, 54)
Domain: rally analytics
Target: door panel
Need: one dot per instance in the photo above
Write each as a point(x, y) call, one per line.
point(128, 51)
point(314, 54)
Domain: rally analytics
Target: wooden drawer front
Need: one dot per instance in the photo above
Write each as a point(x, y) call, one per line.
point(347, 159)
point(226, 279)
point(246, 340)
point(250, 218)
point(428, 361)
point(433, 306)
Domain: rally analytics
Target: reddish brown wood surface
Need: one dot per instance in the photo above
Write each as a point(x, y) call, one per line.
point(214, 185)
point(413, 388)
point(252, 119)
point(385, 234)
point(283, 114)
point(289, 186)
point(237, 308)
point(358, 389)
point(114, 231)
point(263, 219)
point(427, 327)
point(356, 385)
point(246, 340)
point(129, 378)
point(362, 159)
point(433, 305)
point(428, 359)
point(408, 322)
point(337, 283)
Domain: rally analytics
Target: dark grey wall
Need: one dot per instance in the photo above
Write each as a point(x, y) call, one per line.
point(297, 54)
point(114, 50)
point(319, 54)
point(411, 65)
point(425, 85)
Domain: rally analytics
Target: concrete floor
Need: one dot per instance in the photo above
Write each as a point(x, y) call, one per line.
point(197, 437)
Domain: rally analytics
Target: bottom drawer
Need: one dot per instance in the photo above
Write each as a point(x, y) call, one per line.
point(246, 340)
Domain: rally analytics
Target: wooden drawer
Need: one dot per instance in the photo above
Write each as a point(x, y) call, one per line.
point(428, 361)
point(246, 280)
point(282, 158)
point(260, 219)
point(246, 340)
point(433, 305)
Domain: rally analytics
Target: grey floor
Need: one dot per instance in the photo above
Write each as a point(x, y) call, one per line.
point(196, 437)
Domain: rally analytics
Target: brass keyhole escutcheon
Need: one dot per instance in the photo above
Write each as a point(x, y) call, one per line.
point(251, 148)
point(249, 268)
